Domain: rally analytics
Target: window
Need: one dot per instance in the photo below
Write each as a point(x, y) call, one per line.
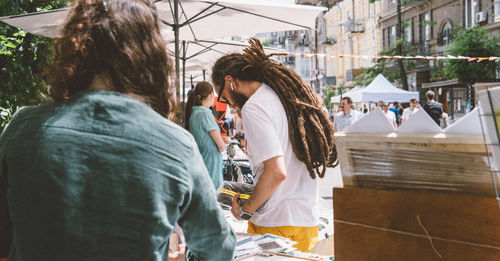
point(497, 10)
point(392, 35)
point(428, 32)
point(384, 37)
point(470, 12)
point(446, 33)
point(408, 31)
point(425, 33)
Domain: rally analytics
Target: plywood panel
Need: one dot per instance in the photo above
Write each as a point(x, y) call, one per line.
point(354, 243)
point(469, 218)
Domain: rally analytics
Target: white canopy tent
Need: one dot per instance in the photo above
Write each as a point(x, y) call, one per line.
point(380, 89)
point(337, 98)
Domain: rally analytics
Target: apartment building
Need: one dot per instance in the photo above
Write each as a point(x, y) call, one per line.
point(352, 30)
point(428, 28)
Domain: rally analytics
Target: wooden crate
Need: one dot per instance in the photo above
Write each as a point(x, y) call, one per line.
point(380, 224)
point(437, 162)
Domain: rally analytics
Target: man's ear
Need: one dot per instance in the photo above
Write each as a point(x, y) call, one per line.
point(228, 78)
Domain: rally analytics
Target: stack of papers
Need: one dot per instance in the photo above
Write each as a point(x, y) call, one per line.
point(252, 244)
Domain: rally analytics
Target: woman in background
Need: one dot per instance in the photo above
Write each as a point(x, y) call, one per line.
point(201, 123)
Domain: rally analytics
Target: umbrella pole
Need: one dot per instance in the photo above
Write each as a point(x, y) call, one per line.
point(191, 82)
point(176, 38)
point(204, 75)
point(183, 75)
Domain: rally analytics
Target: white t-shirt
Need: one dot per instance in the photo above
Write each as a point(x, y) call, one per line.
point(407, 113)
point(295, 201)
point(390, 116)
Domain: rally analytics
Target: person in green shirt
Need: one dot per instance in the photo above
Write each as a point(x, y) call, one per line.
point(100, 173)
point(200, 121)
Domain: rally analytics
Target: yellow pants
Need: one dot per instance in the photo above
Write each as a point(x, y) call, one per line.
point(306, 237)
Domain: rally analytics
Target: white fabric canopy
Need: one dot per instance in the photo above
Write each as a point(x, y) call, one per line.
point(201, 55)
point(337, 98)
point(209, 19)
point(198, 19)
point(380, 89)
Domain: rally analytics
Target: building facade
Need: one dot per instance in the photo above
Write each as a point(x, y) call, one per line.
point(352, 30)
point(428, 27)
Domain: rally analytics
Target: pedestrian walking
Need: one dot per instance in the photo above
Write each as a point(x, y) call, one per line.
point(433, 108)
point(408, 112)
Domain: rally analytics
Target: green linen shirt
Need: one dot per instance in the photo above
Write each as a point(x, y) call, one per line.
point(104, 177)
point(201, 122)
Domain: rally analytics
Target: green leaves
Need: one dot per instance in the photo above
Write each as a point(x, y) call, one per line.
point(472, 42)
point(328, 93)
point(5, 116)
point(23, 57)
point(387, 67)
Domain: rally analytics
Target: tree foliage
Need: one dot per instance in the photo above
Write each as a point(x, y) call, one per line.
point(387, 67)
point(472, 42)
point(23, 59)
point(328, 93)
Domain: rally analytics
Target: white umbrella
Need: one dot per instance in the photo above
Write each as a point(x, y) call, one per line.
point(195, 19)
point(201, 55)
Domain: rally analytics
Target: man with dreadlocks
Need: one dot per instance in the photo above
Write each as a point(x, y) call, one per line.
point(289, 141)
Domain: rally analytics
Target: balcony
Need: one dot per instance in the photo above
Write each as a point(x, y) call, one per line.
point(351, 74)
point(328, 40)
point(355, 26)
point(423, 48)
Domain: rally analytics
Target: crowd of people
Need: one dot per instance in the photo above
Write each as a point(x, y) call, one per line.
point(102, 173)
point(395, 113)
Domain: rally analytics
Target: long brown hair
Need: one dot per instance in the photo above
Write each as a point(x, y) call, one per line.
point(200, 92)
point(118, 38)
point(309, 127)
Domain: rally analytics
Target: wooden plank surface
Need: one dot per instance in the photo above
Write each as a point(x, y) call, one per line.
point(354, 243)
point(468, 218)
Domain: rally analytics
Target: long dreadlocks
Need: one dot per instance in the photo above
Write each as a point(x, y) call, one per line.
point(309, 127)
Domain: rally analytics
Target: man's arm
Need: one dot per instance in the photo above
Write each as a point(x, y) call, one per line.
point(274, 173)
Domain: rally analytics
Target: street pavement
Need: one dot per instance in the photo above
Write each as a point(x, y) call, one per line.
point(333, 178)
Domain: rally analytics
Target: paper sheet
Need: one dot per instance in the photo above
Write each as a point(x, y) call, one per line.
point(420, 122)
point(467, 125)
point(488, 120)
point(373, 122)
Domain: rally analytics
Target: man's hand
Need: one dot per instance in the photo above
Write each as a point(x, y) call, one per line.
point(225, 139)
point(235, 208)
point(179, 255)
